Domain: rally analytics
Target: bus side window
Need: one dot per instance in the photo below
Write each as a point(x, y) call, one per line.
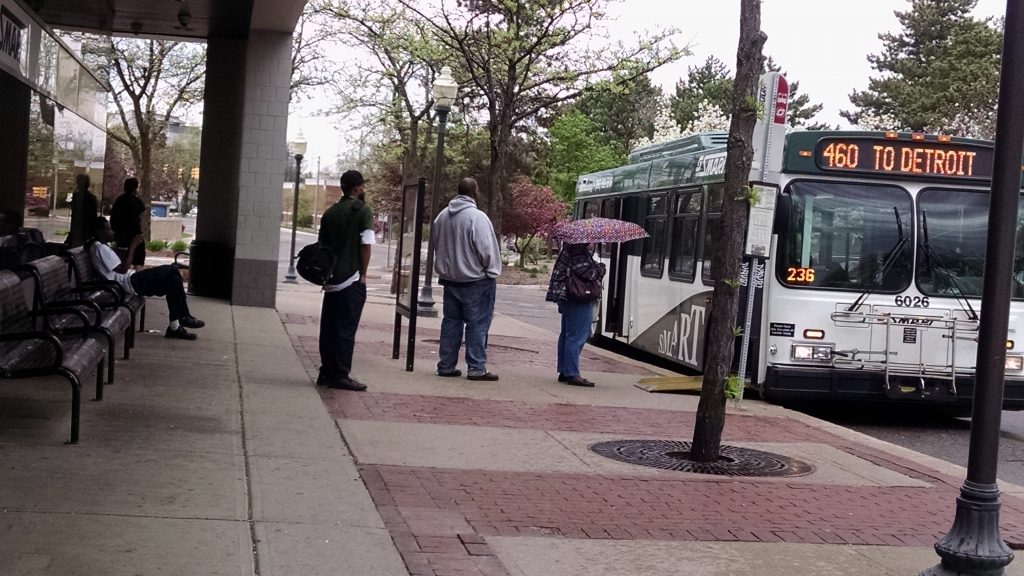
point(609, 209)
point(716, 193)
point(652, 260)
point(685, 224)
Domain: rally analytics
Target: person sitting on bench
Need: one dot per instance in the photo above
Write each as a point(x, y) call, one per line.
point(158, 281)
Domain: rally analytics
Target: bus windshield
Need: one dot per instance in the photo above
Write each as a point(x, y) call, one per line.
point(838, 236)
point(957, 229)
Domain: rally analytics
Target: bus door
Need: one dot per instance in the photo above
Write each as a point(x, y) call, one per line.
point(617, 275)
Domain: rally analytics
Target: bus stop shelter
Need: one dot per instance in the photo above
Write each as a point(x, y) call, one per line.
point(244, 153)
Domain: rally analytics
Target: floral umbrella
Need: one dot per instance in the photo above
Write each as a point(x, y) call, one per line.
point(598, 230)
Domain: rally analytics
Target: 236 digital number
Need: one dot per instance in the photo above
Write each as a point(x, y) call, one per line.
point(805, 275)
point(912, 301)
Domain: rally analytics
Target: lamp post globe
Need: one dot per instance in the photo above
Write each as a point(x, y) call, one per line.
point(298, 148)
point(443, 92)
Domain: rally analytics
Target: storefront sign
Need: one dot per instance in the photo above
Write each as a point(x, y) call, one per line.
point(13, 38)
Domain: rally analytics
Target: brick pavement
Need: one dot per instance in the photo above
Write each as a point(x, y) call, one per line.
point(439, 518)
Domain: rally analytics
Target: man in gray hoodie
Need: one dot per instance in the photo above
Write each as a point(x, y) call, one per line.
point(467, 261)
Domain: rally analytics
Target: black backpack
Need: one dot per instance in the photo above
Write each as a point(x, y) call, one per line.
point(315, 263)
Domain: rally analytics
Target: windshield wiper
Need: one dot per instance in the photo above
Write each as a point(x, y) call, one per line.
point(958, 291)
point(890, 259)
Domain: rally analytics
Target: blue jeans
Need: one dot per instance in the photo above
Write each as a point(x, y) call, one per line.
point(467, 308)
point(576, 320)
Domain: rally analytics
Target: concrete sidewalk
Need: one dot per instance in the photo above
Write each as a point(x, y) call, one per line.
point(220, 456)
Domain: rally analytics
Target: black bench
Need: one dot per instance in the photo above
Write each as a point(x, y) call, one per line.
point(55, 289)
point(105, 292)
point(27, 352)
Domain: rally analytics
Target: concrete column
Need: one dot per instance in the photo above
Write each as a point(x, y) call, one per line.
point(14, 117)
point(211, 265)
point(244, 156)
point(263, 163)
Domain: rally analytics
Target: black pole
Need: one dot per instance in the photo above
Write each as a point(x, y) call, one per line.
point(973, 545)
point(414, 276)
point(426, 303)
point(290, 276)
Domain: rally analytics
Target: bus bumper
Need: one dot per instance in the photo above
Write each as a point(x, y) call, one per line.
point(794, 383)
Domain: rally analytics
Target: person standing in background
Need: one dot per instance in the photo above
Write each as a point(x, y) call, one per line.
point(573, 260)
point(468, 262)
point(126, 221)
point(347, 228)
point(84, 209)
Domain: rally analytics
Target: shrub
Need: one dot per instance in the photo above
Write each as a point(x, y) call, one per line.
point(179, 246)
point(155, 245)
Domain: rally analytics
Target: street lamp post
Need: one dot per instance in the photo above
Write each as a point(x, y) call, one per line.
point(316, 195)
point(299, 147)
point(973, 545)
point(444, 91)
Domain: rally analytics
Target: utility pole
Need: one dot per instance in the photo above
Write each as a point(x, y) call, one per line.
point(973, 545)
point(316, 195)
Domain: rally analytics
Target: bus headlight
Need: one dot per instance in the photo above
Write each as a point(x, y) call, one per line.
point(816, 352)
point(1014, 362)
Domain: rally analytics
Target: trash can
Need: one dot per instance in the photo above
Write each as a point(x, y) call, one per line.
point(210, 269)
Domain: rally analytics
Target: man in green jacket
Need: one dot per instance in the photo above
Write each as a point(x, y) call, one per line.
point(347, 227)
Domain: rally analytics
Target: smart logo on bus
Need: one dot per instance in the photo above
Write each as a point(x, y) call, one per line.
point(918, 158)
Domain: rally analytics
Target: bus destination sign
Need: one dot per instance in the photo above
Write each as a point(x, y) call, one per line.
point(904, 158)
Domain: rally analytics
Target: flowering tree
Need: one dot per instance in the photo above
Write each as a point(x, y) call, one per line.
point(531, 211)
point(665, 127)
point(709, 118)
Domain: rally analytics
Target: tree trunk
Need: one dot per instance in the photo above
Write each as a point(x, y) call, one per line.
point(145, 168)
point(728, 249)
point(499, 143)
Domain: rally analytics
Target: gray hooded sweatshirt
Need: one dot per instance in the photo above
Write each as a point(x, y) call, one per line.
point(465, 247)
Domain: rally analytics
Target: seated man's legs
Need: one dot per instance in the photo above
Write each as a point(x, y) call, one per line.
point(166, 281)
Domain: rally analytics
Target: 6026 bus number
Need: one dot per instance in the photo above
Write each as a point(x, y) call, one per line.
point(912, 301)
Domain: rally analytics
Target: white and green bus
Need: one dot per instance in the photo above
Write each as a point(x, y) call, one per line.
point(873, 281)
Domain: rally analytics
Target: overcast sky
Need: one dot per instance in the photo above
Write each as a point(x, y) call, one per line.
point(823, 44)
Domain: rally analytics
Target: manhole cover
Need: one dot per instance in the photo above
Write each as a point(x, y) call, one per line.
point(672, 455)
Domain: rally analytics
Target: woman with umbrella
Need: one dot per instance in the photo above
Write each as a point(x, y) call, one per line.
point(576, 284)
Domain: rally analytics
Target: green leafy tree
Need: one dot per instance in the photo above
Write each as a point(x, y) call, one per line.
point(519, 59)
point(939, 73)
point(710, 85)
point(177, 178)
point(150, 81)
point(622, 112)
point(577, 147)
point(311, 68)
point(390, 89)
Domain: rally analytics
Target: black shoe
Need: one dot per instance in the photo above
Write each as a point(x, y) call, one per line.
point(453, 374)
point(579, 381)
point(191, 322)
point(347, 384)
point(179, 333)
point(562, 377)
point(488, 376)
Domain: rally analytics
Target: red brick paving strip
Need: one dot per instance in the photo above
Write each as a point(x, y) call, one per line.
point(439, 518)
point(640, 508)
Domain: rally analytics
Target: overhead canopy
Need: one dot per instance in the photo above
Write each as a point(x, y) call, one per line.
point(195, 19)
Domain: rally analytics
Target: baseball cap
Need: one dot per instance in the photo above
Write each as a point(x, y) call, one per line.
point(351, 178)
